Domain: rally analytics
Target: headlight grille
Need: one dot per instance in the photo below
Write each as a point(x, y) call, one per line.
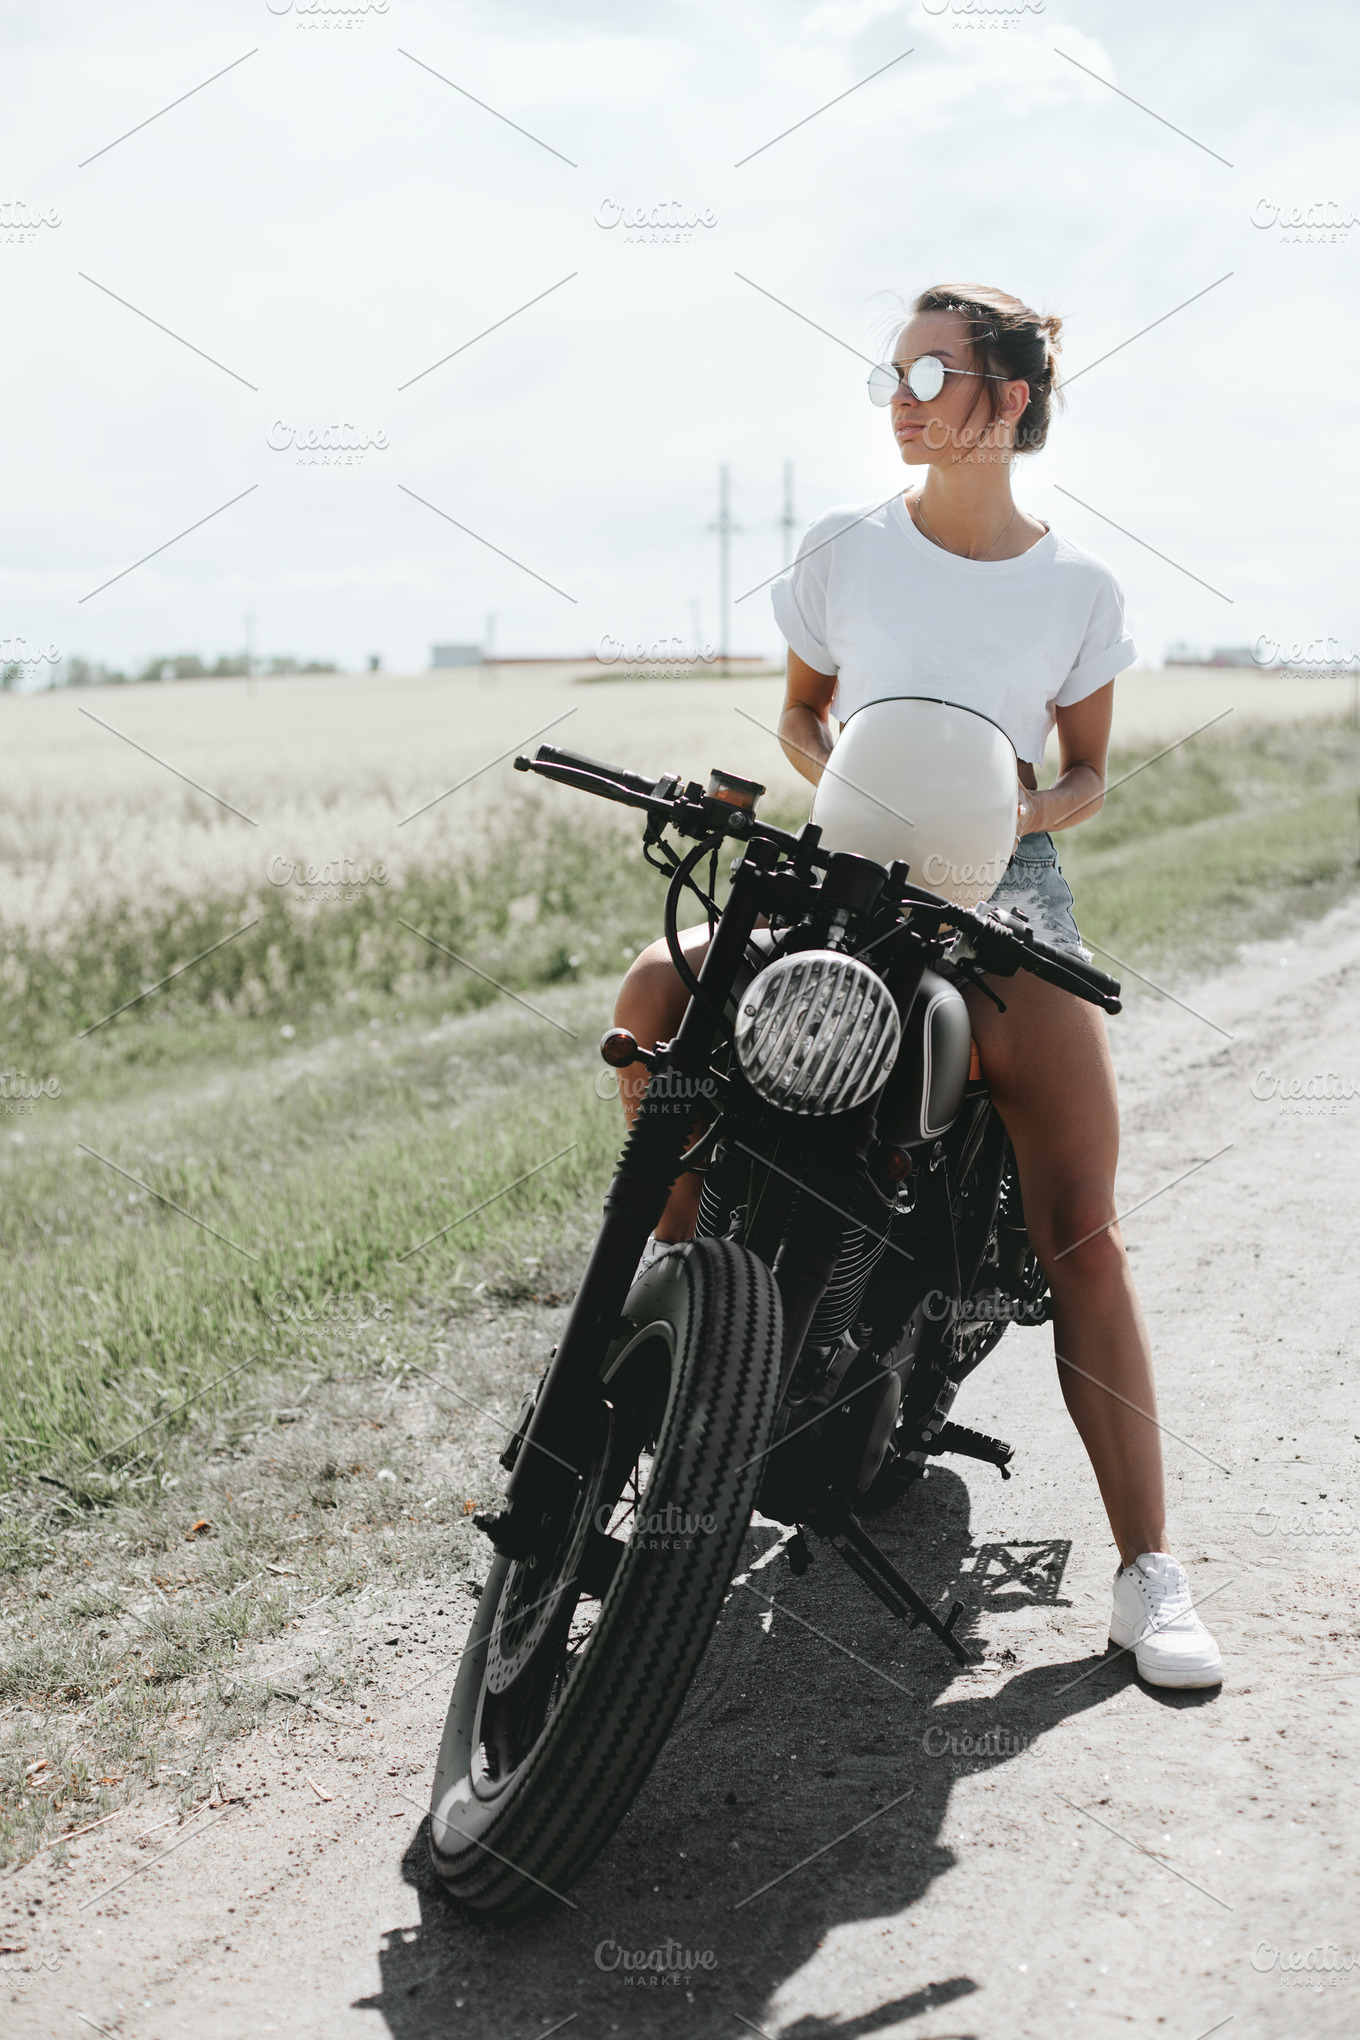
point(817, 1032)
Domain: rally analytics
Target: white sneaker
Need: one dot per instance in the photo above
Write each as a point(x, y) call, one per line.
point(651, 1254)
point(1153, 1614)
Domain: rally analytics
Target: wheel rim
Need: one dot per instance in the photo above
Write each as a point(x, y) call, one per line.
point(546, 1618)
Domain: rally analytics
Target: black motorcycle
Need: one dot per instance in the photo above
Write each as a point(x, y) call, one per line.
point(860, 1248)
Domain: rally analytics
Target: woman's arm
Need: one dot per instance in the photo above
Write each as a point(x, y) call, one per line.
point(805, 720)
point(1078, 792)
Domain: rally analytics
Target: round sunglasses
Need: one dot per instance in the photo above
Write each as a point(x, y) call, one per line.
point(924, 377)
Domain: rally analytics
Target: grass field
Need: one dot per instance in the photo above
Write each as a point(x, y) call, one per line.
point(299, 1112)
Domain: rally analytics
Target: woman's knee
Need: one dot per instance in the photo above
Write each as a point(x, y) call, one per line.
point(652, 997)
point(649, 980)
point(1079, 1237)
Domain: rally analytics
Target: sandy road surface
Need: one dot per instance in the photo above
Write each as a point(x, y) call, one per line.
point(1114, 1861)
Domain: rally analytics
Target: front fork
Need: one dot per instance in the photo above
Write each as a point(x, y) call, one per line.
point(549, 1460)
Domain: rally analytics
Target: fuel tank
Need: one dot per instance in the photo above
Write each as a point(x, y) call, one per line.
point(922, 1097)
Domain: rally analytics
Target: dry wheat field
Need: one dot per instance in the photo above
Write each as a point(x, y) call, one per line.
point(328, 768)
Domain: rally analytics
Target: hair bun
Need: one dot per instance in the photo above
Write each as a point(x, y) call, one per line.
point(1009, 339)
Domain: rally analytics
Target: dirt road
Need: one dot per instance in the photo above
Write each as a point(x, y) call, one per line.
point(847, 1834)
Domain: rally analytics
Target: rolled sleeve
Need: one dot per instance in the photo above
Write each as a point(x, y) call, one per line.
point(1106, 650)
point(798, 599)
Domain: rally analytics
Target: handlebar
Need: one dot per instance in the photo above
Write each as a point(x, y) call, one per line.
point(993, 935)
point(997, 939)
point(552, 754)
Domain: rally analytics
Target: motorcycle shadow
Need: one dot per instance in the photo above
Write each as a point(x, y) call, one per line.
point(803, 1788)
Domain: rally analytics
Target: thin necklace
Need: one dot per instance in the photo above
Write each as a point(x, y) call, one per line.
point(920, 518)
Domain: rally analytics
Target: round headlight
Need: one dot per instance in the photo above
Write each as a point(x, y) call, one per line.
point(817, 1032)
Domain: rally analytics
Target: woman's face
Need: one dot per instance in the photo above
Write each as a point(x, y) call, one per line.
point(957, 425)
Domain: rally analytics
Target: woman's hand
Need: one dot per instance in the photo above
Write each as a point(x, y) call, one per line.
point(1026, 810)
point(805, 722)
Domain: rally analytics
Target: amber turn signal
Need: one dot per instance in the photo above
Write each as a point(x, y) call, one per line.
point(619, 1048)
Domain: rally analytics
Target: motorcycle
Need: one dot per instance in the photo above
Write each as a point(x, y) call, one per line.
point(860, 1249)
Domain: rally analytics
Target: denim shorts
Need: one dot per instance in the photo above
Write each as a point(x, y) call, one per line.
point(1034, 883)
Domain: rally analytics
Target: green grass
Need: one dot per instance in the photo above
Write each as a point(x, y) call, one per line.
point(145, 1634)
point(411, 1090)
point(1227, 840)
point(321, 1169)
point(549, 899)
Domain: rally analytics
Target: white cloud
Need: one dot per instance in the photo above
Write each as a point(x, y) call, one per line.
point(328, 219)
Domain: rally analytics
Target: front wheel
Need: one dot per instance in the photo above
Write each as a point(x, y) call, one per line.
point(579, 1660)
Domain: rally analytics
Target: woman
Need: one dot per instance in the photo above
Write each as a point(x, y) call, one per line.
point(952, 591)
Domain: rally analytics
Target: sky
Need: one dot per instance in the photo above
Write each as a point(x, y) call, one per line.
point(367, 190)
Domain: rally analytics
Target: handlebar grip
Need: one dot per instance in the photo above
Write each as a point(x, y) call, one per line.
point(1070, 974)
point(636, 782)
point(1080, 987)
point(1004, 939)
point(1071, 966)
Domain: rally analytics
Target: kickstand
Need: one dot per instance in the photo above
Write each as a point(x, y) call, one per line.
point(848, 1536)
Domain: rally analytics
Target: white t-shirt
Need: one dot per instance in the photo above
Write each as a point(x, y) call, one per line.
point(874, 602)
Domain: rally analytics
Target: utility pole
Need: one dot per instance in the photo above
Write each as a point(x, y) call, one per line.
point(788, 520)
point(724, 528)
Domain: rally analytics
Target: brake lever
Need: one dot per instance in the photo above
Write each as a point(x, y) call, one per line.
point(985, 951)
point(969, 970)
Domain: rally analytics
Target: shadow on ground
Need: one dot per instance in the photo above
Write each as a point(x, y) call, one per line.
point(788, 1753)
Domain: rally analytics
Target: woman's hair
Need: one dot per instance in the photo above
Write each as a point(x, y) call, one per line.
point(1006, 339)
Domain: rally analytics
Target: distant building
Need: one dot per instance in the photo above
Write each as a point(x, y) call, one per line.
point(455, 655)
point(1222, 655)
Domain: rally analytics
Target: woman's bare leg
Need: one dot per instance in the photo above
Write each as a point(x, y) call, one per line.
point(651, 1004)
point(1048, 1064)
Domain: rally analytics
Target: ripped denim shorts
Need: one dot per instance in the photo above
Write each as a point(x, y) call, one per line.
point(1034, 883)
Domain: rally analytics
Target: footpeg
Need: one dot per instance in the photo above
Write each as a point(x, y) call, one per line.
point(1000, 1303)
point(968, 1444)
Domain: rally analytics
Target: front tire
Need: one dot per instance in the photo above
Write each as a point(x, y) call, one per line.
point(563, 1699)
